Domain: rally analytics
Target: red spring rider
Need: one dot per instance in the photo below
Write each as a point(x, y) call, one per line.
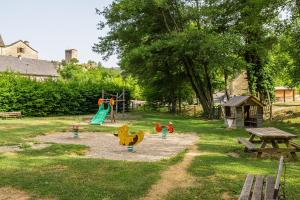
point(164, 129)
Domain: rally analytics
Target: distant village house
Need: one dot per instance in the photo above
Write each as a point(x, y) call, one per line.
point(239, 87)
point(286, 94)
point(21, 58)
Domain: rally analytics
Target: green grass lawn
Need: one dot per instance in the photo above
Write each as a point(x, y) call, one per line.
point(221, 175)
point(57, 172)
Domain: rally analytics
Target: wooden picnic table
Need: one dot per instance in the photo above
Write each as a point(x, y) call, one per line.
point(270, 136)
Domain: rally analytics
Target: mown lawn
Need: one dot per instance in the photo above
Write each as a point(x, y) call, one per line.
point(220, 174)
point(56, 172)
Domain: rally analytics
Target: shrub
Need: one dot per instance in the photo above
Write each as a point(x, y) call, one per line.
point(54, 97)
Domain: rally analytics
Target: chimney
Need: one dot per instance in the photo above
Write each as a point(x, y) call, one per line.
point(70, 54)
point(26, 42)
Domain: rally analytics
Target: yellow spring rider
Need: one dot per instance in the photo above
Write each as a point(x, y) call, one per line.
point(127, 139)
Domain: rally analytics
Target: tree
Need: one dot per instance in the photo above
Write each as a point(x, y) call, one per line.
point(164, 78)
point(148, 28)
point(295, 42)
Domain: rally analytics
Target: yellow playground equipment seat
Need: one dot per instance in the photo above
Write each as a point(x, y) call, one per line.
point(127, 139)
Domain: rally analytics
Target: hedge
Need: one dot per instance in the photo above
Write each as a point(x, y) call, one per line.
point(52, 97)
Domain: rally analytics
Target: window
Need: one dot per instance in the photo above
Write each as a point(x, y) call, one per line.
point(229, 112)
point(20, 50)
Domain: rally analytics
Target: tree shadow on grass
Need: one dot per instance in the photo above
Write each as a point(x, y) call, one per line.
point(57, 150)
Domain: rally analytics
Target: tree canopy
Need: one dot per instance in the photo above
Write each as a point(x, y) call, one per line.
point(174, 44)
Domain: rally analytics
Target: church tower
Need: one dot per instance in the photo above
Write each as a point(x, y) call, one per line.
point(70, 54)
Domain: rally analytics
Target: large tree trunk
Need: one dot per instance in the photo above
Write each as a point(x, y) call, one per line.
point(173, 105)
point(203, 91)
point(255, 75)
point(202, 87)
point(179, 104)
point(226, 84)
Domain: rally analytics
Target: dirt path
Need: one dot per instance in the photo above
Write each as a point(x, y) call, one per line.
point(174, 177)
point(9, 193)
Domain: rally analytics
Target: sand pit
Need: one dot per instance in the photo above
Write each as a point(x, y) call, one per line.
point(106, 146)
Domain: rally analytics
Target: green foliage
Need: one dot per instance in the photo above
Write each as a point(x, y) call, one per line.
point(281, 64)
point(295, 50)
point(164, 44)
point(284, 59)
point(76, 94)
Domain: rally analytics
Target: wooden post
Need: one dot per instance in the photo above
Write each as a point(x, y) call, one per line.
point(277, 182)
point(271, 112)
point(117, 98)
point(112, 118)
point(123, 101)
point(293, 94)
point(284, 95)
point(194, 110)
point(270, 106)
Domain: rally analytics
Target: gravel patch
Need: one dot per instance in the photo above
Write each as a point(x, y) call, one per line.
point(106, 146)
point(9, 149)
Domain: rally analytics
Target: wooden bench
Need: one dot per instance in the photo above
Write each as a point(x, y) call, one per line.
point(10, 115)
point(263, 188)
point(295, 145)
point(249, 145)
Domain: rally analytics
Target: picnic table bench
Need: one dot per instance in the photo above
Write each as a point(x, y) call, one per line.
point(10, 115)
point(269, 136)
point(264, 187)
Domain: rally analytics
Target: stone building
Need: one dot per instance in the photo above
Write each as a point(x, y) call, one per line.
point(70, 54)
point(33, 68)
point(236, 87)
point(19, 48)
point(239, 85)
point(21, 58)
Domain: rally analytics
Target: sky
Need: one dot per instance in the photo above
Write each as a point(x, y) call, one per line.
point(51, 26)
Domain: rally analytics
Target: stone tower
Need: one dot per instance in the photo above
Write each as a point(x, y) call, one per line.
point(1, 42)
point(70, 54)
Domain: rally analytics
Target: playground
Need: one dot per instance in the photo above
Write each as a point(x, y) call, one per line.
point(46, 162)
point(106, 146)
point(150, 100)
point(113, 153)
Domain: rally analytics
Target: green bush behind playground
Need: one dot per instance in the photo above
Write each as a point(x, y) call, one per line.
point(55, 97)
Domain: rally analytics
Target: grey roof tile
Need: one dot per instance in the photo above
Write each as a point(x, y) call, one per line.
point(239, 100)
point(236, 100)
point(28, 66)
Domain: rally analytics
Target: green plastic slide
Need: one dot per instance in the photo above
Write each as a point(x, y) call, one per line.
point(100, 116)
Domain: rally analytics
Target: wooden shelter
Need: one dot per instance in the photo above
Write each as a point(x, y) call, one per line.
point(243, 111)
point(284, 94)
